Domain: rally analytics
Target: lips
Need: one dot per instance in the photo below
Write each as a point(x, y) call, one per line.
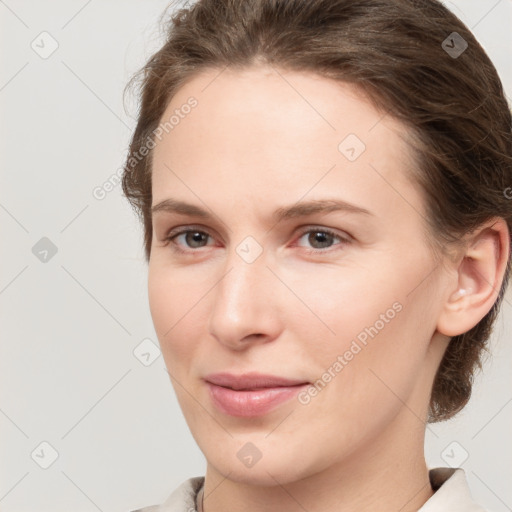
point(251, 394)
point(251, 381)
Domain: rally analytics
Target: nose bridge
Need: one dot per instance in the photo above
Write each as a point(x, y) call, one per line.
point(242, 299)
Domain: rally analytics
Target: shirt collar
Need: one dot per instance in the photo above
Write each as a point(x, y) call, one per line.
point(451, 494)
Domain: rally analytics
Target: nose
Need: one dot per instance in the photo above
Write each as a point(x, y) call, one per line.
point(245, 304)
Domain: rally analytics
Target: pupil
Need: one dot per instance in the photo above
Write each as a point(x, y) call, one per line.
point(196, 236)
point(319, 236)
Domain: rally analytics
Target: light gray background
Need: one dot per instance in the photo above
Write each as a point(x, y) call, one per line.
point(68, 373)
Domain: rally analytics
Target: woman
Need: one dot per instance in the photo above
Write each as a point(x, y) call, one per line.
point(322, 188)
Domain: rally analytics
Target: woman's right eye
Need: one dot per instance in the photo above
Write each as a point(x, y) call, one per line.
point(191, 238)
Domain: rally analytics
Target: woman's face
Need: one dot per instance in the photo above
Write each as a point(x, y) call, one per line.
point(305, 260)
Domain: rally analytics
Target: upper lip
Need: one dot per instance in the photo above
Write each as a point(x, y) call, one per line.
point(252, 380)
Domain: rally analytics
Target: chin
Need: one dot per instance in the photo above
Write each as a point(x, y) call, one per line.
point(274, 469)
point(259, 475)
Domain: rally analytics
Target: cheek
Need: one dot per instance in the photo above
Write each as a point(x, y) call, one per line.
point(160, 297)
point(174, 305)
point(171, 303)
point(361, 326)
point(338, 305)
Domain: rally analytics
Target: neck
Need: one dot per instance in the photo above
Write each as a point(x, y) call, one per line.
point(388, 474)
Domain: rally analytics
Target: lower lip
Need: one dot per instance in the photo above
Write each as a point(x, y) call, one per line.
point(251, 403)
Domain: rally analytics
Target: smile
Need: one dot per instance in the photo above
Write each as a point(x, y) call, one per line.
point(251, 395)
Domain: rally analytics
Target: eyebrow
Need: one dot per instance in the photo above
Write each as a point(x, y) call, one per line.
point(300, 209)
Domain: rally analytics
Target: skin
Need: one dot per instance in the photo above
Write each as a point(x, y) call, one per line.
point(257, 141)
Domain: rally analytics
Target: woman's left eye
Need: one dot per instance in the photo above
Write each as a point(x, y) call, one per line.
point(322, 238)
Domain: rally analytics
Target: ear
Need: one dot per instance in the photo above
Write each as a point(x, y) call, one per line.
point(478, 280)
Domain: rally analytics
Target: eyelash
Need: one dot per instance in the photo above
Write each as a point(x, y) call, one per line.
point(191, 229)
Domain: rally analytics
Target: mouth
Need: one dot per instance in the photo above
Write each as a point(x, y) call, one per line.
point(251, 394)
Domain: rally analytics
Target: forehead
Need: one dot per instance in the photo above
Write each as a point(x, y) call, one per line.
point(267, 131)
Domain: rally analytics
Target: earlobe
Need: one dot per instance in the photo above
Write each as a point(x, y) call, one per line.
point(478, 280)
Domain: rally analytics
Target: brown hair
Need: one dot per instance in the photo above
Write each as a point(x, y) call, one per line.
point(404, 56)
